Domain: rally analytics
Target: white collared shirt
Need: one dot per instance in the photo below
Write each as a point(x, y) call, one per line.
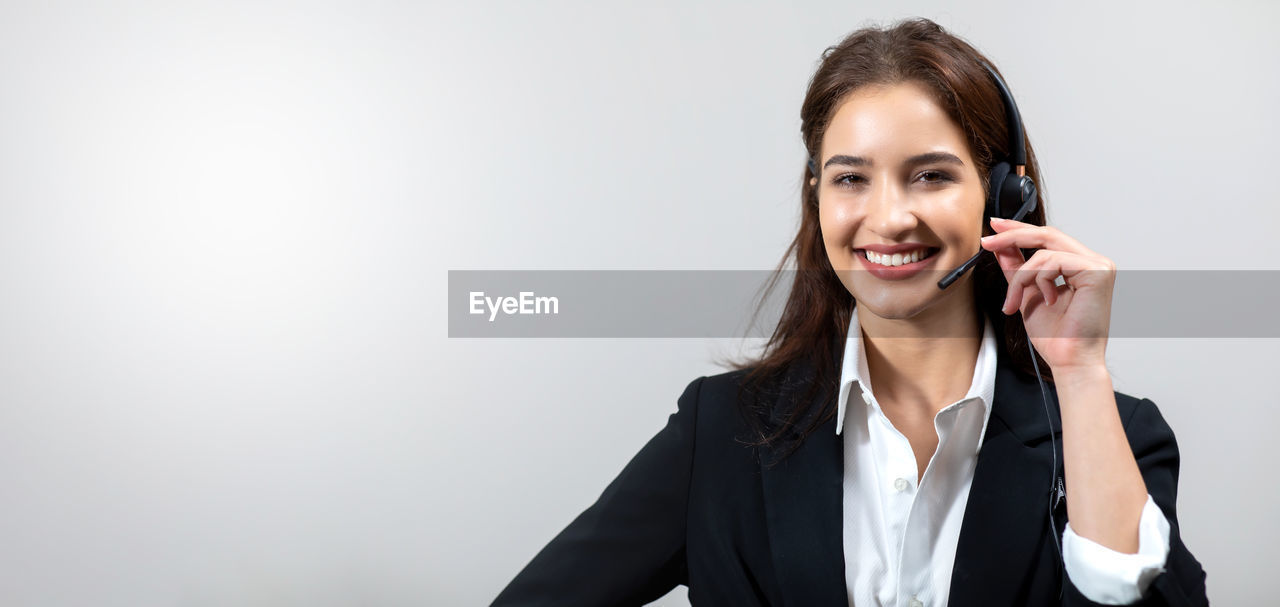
point(900, 536)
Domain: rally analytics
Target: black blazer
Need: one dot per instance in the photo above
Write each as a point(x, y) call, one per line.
point(699, 508)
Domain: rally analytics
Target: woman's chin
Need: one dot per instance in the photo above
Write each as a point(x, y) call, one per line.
point(891, 303)
point(895, 311)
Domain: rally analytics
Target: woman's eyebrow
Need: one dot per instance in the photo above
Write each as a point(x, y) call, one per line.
point(926, 158)
point(935, 157)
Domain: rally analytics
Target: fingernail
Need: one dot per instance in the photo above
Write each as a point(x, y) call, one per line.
point(994, 219)
point(986, 238)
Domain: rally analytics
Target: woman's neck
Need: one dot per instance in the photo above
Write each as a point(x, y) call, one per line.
point(924, 363)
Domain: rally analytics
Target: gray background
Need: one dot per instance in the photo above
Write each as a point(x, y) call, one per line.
point(225, 376)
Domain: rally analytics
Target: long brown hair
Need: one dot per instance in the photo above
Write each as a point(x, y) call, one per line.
point(815, 319)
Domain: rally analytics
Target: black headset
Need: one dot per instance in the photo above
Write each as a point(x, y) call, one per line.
point(1011, 194)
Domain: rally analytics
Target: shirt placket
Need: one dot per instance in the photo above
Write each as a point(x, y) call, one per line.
point(899, 492)
point(909, 509)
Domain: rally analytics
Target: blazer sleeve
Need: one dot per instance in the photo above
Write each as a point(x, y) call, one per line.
point(1182, 584)
point(628, 548)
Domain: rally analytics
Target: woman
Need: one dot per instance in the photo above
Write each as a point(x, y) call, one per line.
point(893, 444)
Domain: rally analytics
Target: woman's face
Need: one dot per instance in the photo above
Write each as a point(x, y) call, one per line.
point(894, 171)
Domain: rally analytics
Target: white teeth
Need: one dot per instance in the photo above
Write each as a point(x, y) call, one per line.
point(896, 259)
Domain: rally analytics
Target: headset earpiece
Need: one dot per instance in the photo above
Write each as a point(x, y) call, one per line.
point(1010, 195)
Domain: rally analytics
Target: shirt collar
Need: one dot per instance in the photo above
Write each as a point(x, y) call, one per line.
point(854, 369)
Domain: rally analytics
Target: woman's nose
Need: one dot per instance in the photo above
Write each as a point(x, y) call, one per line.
point(889, 212)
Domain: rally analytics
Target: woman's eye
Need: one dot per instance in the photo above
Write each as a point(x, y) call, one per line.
point(848, 180)
point(934, 177)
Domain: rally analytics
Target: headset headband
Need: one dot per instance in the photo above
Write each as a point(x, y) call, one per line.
point(1017, 145)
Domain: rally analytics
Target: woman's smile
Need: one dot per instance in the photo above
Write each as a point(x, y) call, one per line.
point(899, 265)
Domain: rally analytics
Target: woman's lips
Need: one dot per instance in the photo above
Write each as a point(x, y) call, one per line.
point(904, 271)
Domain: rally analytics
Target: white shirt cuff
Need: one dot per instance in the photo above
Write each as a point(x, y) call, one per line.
point(1115, 578)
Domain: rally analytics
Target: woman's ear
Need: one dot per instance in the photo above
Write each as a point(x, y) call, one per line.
point(813, 181)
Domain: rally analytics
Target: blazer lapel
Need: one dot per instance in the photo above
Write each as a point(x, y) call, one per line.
point(803, 504)
point(1006, 517)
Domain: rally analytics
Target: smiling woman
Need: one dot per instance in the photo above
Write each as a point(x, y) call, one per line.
point(887, 447)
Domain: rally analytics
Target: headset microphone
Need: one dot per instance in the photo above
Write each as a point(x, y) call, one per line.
point(1011, 193)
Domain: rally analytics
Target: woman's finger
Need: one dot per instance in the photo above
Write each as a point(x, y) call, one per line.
point(1040, 272)
point(1045, 271)
point(1011, 233)
point(1046, 279)
point(1010, 258)
point(1014, 294)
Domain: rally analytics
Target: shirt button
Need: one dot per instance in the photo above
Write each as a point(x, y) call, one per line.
point(915, 602)
point(901, 484)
